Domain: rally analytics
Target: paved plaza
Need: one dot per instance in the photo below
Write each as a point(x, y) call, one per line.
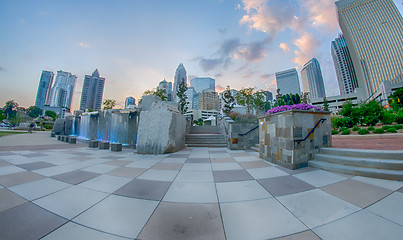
point(55, 190)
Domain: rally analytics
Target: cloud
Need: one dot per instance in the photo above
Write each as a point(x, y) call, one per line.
point(84, 45)
point(219, 88)
point(321, 13)
point(284, 47)
point(253, 52)
point(307, 45)
point(2, 69)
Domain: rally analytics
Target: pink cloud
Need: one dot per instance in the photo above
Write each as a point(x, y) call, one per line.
point(284, 47)
point(307, 45)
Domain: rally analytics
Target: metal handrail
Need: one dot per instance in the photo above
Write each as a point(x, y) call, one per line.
point(313, 129)
point(243, 134)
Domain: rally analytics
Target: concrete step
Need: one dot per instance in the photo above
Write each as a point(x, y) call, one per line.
point(361, 171)
point(255, 148)
point(363, 153)
point(361, 162)
point(205, 129)
point(205, 140)
point(204, 136)
point(206, 145)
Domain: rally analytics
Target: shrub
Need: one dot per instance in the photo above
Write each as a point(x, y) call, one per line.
point(335, 122)
point(300, 106)
point(398, 126)
point(378, 131)
point(371, 128)
point(343, 128)
point(346, 122)
point(399, 116)
point(356, 128)
point(387, 117)
point(363, 131)
point(386, 127)
point(370, 120)
point(391, 130)
point(334, 132)
point(346, 132)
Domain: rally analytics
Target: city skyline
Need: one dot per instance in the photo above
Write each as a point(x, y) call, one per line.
point(138, 44)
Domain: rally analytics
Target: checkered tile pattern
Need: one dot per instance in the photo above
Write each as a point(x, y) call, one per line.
point(196, 193)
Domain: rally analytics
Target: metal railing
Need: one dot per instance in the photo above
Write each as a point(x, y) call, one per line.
point(243, 134)
point(313, 129)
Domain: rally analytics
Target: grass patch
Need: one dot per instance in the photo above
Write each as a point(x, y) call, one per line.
point(8, 133)
point(363, 131)
point(391, 130)
point(378, 131)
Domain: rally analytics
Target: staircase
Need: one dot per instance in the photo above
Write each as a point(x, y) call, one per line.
point(369, 163)
point(205, 136)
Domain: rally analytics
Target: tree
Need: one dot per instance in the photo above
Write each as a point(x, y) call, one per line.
point(2, 116)
point(396, 99)
point(229, 100)
point(245, 98)
point(108, 103)
point(181, 93)
point(34, 111)
point(259, 102)
point(325, 104)
point(51, 114)
point(10, 109)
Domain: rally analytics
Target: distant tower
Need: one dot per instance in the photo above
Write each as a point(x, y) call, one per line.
point(93, 91)
point(312, 79)
point(180, 76)
point(44, 88)
point(202, 83)
point(287, 81)
point(167, 86)
point(373, 30)
point(62, 91)
point(130, 101)
point(343, 65)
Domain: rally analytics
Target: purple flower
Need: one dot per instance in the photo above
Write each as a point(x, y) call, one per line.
point(300, 106)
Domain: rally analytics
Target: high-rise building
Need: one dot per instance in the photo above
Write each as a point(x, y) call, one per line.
point(202, 83)
point(93, 91)
point(208, 100)
point(287, 81)
point(167, 86)
point(130, 101)
point(312, 79)
point(180, 76)
point(343, 65)
point(44, 88)
point(373, 30)
point(61, 94)
point(191, 95)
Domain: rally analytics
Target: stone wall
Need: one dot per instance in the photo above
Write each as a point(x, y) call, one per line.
point(279, 132)
point(231, 131)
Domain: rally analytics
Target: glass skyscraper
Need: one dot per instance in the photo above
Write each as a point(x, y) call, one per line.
point(312, 79)
point(93, 91)
point(130, 101)
point(167, 86)
point(44, 88)
point(287, 81)
point(343, 65)
point(62, 91)
point(202, 83)
point(180, 76)
point(373, 30)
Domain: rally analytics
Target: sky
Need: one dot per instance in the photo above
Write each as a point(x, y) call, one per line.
point(136, 44)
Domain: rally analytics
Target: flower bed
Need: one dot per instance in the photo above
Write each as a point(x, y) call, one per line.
point(300, 106)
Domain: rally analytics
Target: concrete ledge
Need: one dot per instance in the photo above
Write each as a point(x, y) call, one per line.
point(116, 147)
point(93, 144)
point(103, 145)
point(72, 140)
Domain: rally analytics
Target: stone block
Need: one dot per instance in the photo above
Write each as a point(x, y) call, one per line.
point(72, 140)
point(116, 147)
point(58, 137)
point(66, 138)
point(93, 144)
point(58, 126)
point(62, 138)
point(103, 145)
point(52, 134)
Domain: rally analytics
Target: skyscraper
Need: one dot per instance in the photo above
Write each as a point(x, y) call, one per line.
point(373, 30)
point(44, 88)
point(167, 86)
point(93, 91)
point(208, 100)
point(62, 91)
point(343, 65)
point(202, 83)
point(130, 101)
point(312, 79)
point(287, 81)
point(180, 76)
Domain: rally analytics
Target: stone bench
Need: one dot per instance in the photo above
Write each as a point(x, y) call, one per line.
point(103, 145)
point(116, 147)
point(93, 144)
point(72, 140)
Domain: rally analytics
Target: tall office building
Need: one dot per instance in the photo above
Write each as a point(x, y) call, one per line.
point(180, 76)
point(192, 96)
point(61, 94)
point(312, 79)
point(93, 91)
point(202, 83)
point(130, 101)
point(167, 86)
point(208, 100)
point(44, 88)
point(343, 65)
point(373, 30)
point(287, 81)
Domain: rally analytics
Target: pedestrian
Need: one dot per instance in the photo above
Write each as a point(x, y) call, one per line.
point(31, 127)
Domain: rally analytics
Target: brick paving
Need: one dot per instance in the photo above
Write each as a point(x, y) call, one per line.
point(375, 142)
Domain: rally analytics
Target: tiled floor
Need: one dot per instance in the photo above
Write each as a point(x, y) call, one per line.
point(196, 193)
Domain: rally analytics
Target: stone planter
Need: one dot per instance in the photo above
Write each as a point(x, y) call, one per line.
point(279, 132)
point(235, 141)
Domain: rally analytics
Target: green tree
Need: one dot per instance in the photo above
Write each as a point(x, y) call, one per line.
point(244, 97)
point(160, 92)
point(10, 109)
point(325, 104)
point(229, 100)
point(2, 116)
point(51, 114)
point(181, 93)
point(259, 102)
point(108, 103)
point(370, 113)
point(34, 111)
point(396, 99)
